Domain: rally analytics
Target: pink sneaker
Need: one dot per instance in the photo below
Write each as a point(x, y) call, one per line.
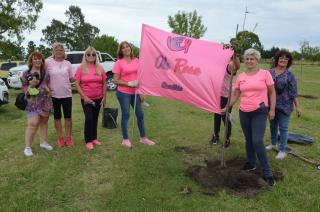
point(69, 142)
point(127, 143)
point(96, 142)
point(60, 142)
point(89, 145)
point(147, 141)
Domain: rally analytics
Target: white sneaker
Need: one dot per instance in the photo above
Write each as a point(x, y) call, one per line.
point(46, 146)
point(270, 147)
point(28, 152)
point(146, 104)
point(281, 155)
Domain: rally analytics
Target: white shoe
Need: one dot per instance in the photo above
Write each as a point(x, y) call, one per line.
point(46, 146)
point(28, 152)
point(270, 147)
point(281, 155)
point(146, 104)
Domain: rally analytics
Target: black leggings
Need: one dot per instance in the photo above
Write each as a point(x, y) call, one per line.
point(217, 118)
point(91, 113)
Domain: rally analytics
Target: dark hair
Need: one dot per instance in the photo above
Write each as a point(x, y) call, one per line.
point(285, 53)
point(119, 52)
point(36, 55)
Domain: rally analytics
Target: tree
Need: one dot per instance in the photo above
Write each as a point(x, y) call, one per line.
point(105, 43)
point(245, 40)
point(308, 52)
point(31, 47)
point(187, 24)
point(269, 53)
point(16, 16)
point(75, 33)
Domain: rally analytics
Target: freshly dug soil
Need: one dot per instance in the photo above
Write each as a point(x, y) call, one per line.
point(214, 178)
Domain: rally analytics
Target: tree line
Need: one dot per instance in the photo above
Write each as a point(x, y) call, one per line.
point(18, 16)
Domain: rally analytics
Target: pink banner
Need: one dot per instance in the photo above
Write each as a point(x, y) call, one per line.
point(182, 68)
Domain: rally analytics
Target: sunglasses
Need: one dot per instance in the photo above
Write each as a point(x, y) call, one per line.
point(93, 55)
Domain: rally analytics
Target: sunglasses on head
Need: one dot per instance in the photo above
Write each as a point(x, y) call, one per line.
point(93, 55)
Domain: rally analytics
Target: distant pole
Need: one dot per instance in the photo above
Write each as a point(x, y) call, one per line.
point(226, 126)
point(301, 75)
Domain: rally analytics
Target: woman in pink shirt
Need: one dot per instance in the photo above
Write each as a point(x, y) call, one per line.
point(125, 76)
point(254, 87)
point(91, 84)
point(60, 72)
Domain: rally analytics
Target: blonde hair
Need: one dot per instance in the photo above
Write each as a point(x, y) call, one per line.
point(84, 63)
point(56, 45)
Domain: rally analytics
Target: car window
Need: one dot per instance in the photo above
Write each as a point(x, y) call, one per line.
point(107, 57)
point(7, 66)
point(75, 58)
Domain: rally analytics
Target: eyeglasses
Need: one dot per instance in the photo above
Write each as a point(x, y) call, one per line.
point(93, 55)
point(284, 58)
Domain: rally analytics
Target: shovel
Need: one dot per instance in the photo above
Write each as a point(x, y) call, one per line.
point(295, 154)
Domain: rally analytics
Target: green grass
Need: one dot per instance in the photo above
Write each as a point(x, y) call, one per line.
point(113, 178)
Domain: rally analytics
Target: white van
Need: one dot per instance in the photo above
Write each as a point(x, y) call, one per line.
point(4, 96)
point(75, 58)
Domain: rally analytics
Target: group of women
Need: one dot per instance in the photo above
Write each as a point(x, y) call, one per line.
point(47, 87)
point(263, 94)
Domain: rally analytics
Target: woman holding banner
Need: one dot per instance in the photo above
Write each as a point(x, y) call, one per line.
point(254, 87)
point(223, 102)
point(125, 76)
point(287, 96)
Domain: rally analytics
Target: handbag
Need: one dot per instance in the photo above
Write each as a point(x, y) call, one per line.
point(21, 102)
point(109, 118)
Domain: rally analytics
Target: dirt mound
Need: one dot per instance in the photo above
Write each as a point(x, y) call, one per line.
point(214, 178)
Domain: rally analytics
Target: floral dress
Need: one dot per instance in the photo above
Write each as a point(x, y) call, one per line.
point(40, 104)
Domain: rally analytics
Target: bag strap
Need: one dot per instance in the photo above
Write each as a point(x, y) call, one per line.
point(114, 121)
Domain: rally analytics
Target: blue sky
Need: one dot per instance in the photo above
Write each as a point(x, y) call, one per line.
point(282, 23)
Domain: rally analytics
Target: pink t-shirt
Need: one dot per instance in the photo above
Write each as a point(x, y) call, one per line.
point(60, 73)
point(253, 89)
point(91, 83)
point(128, 72)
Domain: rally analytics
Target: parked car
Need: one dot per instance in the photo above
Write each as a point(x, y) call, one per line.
point(4, 97)
point(75, 58)
point(4, 69)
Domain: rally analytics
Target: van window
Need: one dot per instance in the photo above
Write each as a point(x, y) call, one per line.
point(75, 58)
point(7, 66)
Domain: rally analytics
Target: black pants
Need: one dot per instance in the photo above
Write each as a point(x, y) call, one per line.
point(91, 113)
point(217, 118)
point(65, 103)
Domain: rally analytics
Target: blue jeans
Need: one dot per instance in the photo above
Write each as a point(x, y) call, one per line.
point(280, 122)
point(253, 125)
point(125, 101)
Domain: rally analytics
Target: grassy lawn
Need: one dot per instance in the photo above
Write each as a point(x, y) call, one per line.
point(113, 178)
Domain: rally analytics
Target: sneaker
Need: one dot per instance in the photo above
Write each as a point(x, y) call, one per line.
point(89, 145)
point(28, 152)
point(214, 139)
point(281, 155)
point(226, 143)
point(60, 142)
point(270, 147)
point(127, 143)
point(270, 180)
point(69, 142)
point(248, 167)
point(96, 142)
point(146, 104)
point(146, 141)
point(46, 146)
